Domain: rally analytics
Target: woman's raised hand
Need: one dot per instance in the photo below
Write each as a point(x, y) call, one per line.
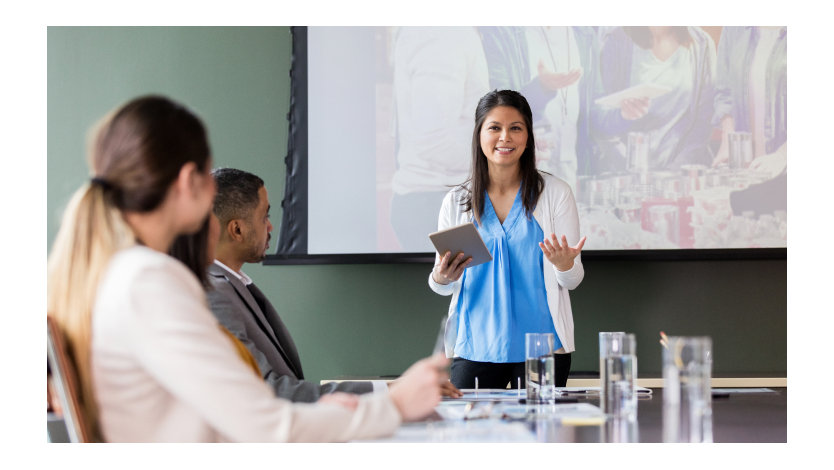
point(561, 254)
point(450, 268)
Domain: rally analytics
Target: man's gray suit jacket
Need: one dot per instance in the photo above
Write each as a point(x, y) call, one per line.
point(264, 334)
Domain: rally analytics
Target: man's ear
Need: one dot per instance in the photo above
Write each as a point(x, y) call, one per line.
point(234, 230)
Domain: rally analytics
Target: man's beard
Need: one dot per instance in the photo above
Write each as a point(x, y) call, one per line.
point(257, 253)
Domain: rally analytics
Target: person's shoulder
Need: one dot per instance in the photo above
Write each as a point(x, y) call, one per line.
point(215, 271)
point(219, 278)
point(457, 193)
point(551, 180)
point(137, 270)
point(555, 187)
point(139, 259)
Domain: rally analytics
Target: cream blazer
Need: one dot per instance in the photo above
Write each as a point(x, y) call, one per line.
point(555, 213)
point(163, 371)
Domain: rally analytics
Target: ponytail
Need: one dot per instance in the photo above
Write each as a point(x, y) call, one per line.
point(136, 154)
point(91, 232)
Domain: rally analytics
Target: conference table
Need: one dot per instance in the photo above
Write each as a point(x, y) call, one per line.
point(739, 415)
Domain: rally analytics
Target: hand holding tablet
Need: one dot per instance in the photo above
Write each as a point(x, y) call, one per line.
point(460, 247)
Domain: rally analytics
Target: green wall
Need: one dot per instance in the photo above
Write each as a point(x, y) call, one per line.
point(377, 319)
point(235, 79)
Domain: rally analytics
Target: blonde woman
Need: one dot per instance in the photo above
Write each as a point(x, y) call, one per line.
point(153, 363)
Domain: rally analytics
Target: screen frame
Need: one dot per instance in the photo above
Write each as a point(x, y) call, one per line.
point(292, 240)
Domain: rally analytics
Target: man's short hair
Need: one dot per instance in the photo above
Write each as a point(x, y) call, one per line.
point(237, 194)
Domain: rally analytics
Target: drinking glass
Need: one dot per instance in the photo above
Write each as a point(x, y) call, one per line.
point(618, 374)
point(540, 373)
point(687, 392)
point(620, 430)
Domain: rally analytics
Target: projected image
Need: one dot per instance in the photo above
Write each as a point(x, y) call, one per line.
point(670, 137)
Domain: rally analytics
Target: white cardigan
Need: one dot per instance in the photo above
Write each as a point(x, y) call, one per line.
point(164, 372)
point(556, 213)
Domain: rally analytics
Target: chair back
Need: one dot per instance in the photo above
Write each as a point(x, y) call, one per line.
point(65, 380)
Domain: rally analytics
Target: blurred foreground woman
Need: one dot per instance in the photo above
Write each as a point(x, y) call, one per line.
point(152, 361)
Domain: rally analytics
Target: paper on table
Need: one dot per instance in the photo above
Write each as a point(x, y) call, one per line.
point(484, 430)
point(574, 414)
point(644, 90)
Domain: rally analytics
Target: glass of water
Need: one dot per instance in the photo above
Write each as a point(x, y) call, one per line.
point(540, 375)
point(687, 390)
point(618, 374)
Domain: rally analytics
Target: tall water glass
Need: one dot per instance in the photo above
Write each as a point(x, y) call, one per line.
point(618, 374)
point(620, 430)
point(687, 392)
point(541, 375)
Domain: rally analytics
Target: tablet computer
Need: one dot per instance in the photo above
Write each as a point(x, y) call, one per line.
point(463, 238)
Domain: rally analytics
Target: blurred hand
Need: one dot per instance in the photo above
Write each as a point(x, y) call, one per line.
point(347, 400)
point(447, 389)
point(450, 268)
point(772, 163)
point(554, 81)
point(561, 254)
point(634, 108)
point(417, 391)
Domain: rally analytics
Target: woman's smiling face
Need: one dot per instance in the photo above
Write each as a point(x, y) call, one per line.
point(503, 137)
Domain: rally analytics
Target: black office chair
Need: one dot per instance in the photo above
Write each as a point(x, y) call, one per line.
point(65, 382)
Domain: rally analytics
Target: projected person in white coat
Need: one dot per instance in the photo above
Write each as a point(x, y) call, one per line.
point(439, 75)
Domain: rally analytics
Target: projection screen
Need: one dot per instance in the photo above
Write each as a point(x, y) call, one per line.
point(382, 119)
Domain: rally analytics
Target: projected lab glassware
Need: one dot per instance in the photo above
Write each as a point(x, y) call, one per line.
point(687, 392)
point(741, 149)
point(618, 374)
point(638, 152)
point(541, 378)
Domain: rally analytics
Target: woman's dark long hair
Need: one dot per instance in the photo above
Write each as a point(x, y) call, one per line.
point(192, 250)
point(532, 182)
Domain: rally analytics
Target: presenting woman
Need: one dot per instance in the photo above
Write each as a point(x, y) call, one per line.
point(518, 211)
point(153, 363)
